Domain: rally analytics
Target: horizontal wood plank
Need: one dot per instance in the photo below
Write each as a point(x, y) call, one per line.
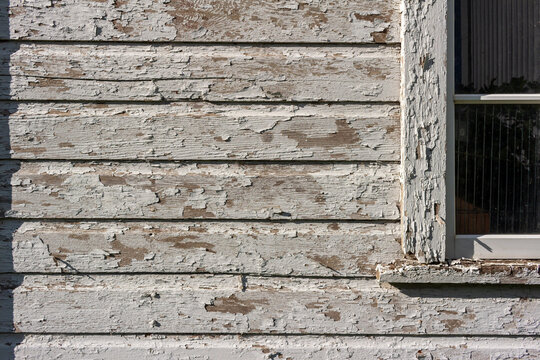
point(233, 304)
point(462, 271)
point(306, 249)
point(364, 21)
point(65, 347)
point(214, 73)
point(199, 131)
point(199, 190)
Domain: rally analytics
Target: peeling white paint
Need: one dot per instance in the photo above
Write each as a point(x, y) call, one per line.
point(210, 20)
point(423, 126)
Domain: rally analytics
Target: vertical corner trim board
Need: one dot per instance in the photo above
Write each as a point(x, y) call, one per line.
point(344, 21)
point(423, 126)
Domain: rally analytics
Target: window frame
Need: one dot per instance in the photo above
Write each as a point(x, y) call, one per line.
point(428, 174)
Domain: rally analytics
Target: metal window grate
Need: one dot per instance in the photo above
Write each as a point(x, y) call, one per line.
point(497, 169)
point(497, 116)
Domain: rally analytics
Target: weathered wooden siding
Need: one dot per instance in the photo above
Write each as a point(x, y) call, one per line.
point(244, 304)
point(201, 190)
point(267, 347)
point(296, 249)
point(175, 174)
point(214, 73)
point(200, 131)
point(351, 21)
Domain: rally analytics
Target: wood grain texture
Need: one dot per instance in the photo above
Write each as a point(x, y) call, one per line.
point(62, 347)
point(304, 249)
point(194, 191)
point(200, 131)
point(233, 304)
point(524, 272)
point(215, 73)
point(424, 129)
point(360, 21)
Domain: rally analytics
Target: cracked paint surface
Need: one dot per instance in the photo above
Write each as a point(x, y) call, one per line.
point(214, 73)
point(191, 190)
point(202, 131)
point(308, 249)
point(209, 20)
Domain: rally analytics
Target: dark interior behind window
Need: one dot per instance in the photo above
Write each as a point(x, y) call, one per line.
point(497, 164)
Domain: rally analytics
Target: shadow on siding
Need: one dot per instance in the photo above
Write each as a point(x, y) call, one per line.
point(472, 291)
point(8, 281)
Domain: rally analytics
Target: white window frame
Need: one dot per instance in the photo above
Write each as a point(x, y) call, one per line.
point(427, 141)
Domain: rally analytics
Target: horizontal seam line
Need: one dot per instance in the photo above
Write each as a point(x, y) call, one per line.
point(393, 44)
point(203, 101)
point(248, 220)
point(208, 162)
point(194, 78)
point(196, 274)
point(186, 100)
point(292, 334)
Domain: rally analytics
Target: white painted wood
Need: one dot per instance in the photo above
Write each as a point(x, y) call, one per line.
point(216, 304)
point(231, 304)
point(424, 145)
point(494, 246)
point(216, 73)
point(205, 190)
point(65, 347)
point(296, 249)
point(497, 98)
point(519, 272)
point(364, 21)
point(200, 131)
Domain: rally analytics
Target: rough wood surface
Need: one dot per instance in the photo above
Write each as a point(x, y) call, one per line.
point(130, 347)
point(305, 249)
point(215, 73)
point(200, 131)
point(234, 304)
point(423, 126)
point(462, 272)
point(356, 21)
point(199, 190)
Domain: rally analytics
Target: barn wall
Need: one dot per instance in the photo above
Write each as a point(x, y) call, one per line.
point(217, 179)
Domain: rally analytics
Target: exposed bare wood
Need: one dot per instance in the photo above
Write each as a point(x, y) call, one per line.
point(462, 272)
point(65, 347)
point(232, 304)
point(215, 73)
point(308, 249)
point(194, 191)
point(200, 131)
point(423, 126)
point(362, 21)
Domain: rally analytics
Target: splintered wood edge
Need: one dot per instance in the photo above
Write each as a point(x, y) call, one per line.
point(461, 272)
point(263, 347)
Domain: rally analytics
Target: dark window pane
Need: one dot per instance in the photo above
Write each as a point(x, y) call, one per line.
point(497, 46)
point(497, 169)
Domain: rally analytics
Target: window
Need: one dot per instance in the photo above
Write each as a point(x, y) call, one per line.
point(470, 156)
point(497, 128)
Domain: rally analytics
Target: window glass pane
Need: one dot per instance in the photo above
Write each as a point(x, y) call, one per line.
point(497, 169)
point(497, 46)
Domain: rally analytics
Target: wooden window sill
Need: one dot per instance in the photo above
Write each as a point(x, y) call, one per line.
point(522, 272)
